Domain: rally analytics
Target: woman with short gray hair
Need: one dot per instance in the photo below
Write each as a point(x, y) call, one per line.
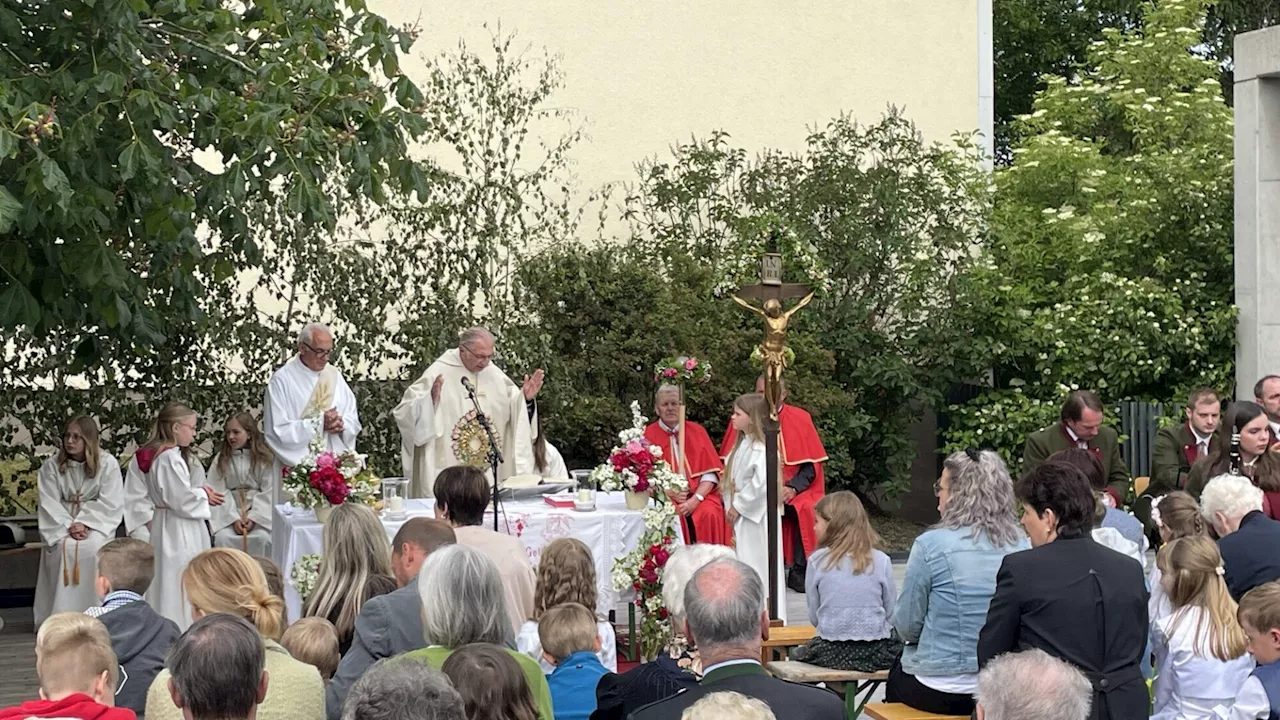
point(1250, 543)
point(951, 576)
point(463, 602)
point(677, 667)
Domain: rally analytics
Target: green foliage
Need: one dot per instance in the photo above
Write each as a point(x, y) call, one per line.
point(892, 219)
point(143, 137)
point(18, 492)
point(1109, 264)
point(1038, 39)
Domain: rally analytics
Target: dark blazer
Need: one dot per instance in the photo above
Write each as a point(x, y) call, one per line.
point(1043, 443)
point(1172, 456)
point(388, 625)
point(619, 695)
point(1251, 555)
point(1082, 602)
point(789, 700)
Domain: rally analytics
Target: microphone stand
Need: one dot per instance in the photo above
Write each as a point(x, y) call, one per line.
point(494, 455)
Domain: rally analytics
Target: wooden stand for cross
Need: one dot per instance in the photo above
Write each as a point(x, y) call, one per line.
point(771, 291)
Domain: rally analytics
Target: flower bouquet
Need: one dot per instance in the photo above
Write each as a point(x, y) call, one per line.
point(325, 478)
point(680, 370)
point(636, 466)
point(304, 575)
point(642, 571)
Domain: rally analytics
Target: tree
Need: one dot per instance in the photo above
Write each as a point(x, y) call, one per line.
point(1037, 39)
point(880, 221)
point(139, 139)
point(1109, 264)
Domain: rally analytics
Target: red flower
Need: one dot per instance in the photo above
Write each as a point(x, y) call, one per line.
point(650, 576)
point(662, 613)
point(661, 556)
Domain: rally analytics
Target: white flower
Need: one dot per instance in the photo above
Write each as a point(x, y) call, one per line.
point(655, 450)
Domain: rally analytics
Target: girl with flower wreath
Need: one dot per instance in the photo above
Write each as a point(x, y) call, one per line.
point(1200, 648)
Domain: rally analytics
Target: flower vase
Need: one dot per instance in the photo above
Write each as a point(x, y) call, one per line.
point(635, 500)
point(323, 512)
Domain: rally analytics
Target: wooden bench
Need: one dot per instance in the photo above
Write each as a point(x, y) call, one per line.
point(783, 638)
point(855, 684)
point(898, 711)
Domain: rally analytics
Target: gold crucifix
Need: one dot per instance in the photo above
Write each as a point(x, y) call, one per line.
point(772, 291)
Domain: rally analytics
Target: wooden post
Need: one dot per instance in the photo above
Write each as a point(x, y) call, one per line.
point(772, 516)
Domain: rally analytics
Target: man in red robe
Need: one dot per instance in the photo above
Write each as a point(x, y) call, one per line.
point(804, 484)
point(701, 510)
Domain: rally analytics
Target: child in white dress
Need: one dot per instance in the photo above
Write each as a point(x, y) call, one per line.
point(1200, 648)
point(181, 508)
point(243, 471)
point(745, 486)
point(81, 504)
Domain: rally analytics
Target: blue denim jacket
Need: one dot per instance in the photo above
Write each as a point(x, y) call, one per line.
point(943, 605)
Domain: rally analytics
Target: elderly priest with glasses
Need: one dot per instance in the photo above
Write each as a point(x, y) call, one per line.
point(308, 398)
point(437, 419)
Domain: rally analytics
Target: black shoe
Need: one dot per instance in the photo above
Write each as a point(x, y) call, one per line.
point(795, 578)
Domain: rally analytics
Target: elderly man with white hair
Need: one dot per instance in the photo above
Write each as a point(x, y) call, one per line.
point(1032, 685)
point(1250, 541)
point(438, 423)
point(306, 399)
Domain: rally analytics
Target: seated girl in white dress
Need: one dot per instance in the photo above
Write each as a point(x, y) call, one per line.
point(1200, 648)
point(566, 574)
point(242, 471)
point(745, 486)
point(180, 507)
point(81, 504)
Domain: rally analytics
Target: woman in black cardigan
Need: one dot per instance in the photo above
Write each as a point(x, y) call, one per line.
point(1071, 597)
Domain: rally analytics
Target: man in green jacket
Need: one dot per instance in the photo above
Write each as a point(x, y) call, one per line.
point(1081, 426)
point(1177, 448)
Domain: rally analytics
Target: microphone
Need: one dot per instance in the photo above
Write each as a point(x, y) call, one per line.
point(467, 384)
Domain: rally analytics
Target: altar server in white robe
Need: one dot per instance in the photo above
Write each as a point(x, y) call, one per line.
point(138, 508)
point(438, 427)
point(241, 471)
point(307, 399)
point(747, 489)
point(181, 507)
point(81, 505)
point(546, 458)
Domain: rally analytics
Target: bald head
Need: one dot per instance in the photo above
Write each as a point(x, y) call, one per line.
point(724, 605)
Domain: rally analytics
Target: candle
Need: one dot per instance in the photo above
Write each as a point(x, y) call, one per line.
point(584, 496)
point(396, 504)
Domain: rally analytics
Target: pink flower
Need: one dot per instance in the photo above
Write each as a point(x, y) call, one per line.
point(326, 460)
point(690, 364)
point(669, 373)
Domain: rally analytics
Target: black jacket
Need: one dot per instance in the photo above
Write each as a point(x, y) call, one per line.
point(1082, 602)
point(1251, 555)
point(141, 639)
point(618, 695)
point(789, 700)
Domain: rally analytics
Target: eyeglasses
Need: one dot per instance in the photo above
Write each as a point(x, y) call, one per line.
point(477, 355)
point(937, 487)
point(317, 351)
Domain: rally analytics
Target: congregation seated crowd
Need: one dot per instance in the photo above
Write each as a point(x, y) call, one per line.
point(1050, 615)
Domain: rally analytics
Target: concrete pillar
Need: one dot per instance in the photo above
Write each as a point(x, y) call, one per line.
point(1257, 206)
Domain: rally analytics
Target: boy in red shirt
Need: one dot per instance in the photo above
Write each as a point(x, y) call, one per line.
point(78, 672)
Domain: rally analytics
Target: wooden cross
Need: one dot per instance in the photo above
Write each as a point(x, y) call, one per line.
point(772, 288)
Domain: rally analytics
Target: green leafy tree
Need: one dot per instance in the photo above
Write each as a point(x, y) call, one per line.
point(883, 223)
point(1109, 264)
point(1038, 39)
point(139, 141)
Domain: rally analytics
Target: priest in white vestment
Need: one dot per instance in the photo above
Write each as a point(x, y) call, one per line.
point(308, 398)
point(437, 421)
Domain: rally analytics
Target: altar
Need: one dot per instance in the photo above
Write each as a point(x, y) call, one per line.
point(611, 531)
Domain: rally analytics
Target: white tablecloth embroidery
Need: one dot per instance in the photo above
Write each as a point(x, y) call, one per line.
point(611, 531)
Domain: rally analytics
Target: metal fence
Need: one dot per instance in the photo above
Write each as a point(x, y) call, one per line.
point(1139, 422)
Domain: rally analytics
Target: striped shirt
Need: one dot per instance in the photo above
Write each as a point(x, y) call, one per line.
point(113, 601)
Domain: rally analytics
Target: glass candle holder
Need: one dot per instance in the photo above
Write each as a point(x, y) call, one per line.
point(584, 492)
point(394, 496)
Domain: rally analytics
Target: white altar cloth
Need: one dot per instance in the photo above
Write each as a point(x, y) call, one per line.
point(611, 531)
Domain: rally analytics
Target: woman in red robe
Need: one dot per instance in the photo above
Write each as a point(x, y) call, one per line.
point(701, 505)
